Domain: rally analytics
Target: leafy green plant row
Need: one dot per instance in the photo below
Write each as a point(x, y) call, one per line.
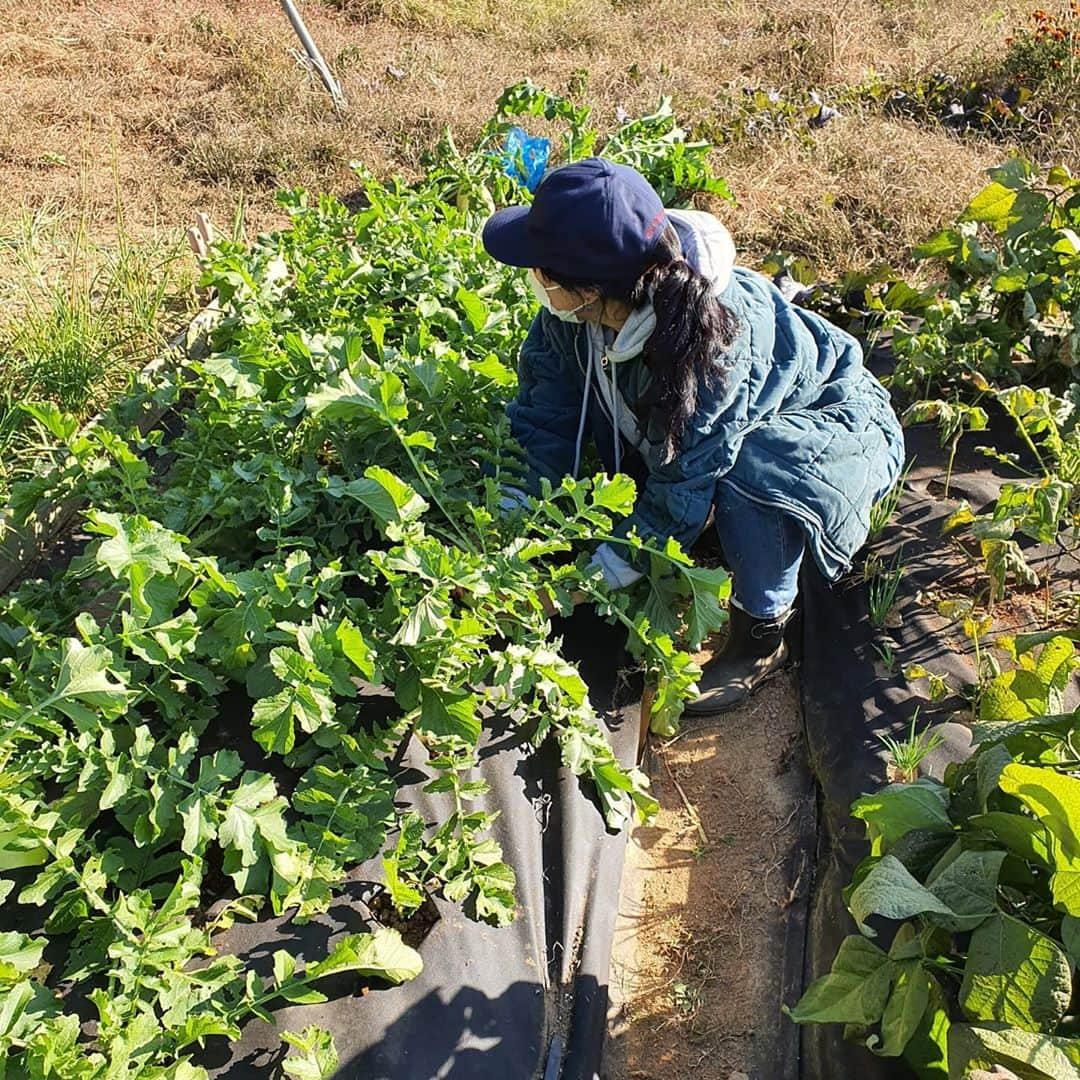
point(203, 714)
point(1007, 313)
point(1005, 332)
point(1001, 310)
point(973, 883)
point(655, 144)
point(961, 104)
point(999, 331)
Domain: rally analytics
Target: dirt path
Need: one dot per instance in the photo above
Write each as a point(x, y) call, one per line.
point(709, 893)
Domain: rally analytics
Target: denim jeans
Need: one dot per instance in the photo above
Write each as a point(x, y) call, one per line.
point(763, 549)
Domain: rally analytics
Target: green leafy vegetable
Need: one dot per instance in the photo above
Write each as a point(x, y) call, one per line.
point(203, 717)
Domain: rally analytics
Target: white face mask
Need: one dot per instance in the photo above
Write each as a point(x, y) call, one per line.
point(541, 291)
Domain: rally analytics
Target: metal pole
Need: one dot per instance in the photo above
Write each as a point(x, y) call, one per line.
point(317, 62)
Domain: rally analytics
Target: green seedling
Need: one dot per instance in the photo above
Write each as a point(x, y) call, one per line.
point(909, 753)
point(885, 654)
point(938, 686)
point(882, 585)
point(687, 999)
point(882, 511)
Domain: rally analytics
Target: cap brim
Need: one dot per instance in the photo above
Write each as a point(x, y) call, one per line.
point(506, 238)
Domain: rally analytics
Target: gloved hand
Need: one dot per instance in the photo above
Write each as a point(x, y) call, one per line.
point(512, 499)
point(618, 573)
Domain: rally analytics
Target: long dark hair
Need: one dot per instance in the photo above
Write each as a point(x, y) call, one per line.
point(692, 330)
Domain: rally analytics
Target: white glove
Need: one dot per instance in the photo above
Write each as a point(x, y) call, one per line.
point(513, 499)
point(618, 573)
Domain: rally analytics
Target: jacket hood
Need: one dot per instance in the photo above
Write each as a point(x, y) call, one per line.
point(707, 245)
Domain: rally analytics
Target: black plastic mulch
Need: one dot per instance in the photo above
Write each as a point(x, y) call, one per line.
point(522, 1001)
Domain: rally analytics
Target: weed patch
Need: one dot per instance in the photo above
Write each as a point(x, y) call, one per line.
point(74, 331)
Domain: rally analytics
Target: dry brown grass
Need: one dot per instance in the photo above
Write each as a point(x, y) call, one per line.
point(191, 104)
point(866, 191)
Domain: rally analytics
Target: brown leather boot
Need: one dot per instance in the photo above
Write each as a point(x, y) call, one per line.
point(755, 650)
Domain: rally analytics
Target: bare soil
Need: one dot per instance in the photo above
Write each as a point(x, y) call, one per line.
point(708, 893)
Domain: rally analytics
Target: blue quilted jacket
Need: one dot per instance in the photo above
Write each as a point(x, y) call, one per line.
point(794, 421)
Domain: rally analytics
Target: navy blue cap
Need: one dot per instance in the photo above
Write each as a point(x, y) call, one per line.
point(592, 220)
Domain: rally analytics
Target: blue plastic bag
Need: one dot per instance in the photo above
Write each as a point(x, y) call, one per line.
point(525, 157)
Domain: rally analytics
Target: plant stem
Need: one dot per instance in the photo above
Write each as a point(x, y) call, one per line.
point(431, 492)
point(1034, 449)
point(953, 444)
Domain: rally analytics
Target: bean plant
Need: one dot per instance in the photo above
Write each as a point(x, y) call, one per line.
point(966, 908)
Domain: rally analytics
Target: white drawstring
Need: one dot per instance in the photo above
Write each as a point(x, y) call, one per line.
point(584, 403)
point(615, 410)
